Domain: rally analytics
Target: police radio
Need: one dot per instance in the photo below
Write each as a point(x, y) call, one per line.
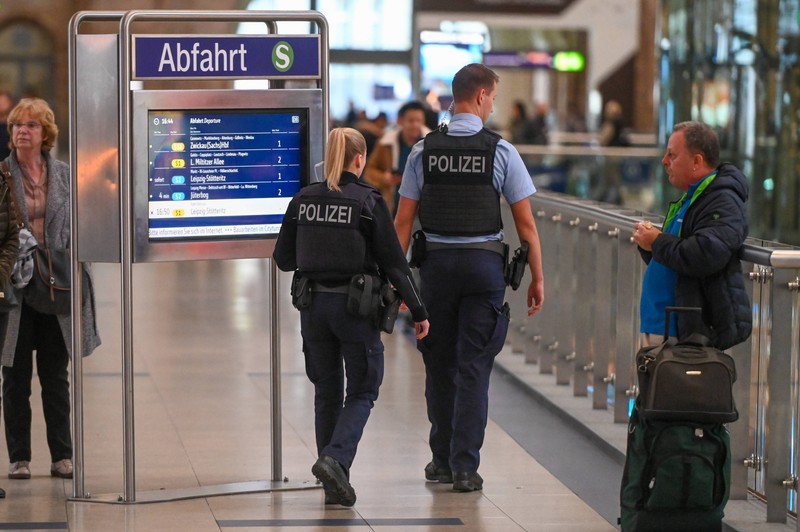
point(443, 124)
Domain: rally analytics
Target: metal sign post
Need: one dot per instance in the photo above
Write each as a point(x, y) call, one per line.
point(133, 235)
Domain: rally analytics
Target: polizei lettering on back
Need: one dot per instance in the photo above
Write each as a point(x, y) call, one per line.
point(457, 164)
point(196, 59)
point(326, 213)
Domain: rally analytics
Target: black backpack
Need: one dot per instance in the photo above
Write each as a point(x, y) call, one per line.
point(676, 476)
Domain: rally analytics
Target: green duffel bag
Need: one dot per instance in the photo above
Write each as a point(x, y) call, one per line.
point(676, 476)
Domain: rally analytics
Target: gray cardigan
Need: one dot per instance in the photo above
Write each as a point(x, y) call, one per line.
point(57, 237)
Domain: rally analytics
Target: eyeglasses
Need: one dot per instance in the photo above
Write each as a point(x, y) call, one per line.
point(29, 125)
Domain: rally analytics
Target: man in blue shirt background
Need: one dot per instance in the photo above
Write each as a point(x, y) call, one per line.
point(694, 261)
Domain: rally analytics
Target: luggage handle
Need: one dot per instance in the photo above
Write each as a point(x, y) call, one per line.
point(670, 310)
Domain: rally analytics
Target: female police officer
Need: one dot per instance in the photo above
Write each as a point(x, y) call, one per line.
point(339, 238)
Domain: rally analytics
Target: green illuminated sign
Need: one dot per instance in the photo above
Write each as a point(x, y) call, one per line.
point(568, 61)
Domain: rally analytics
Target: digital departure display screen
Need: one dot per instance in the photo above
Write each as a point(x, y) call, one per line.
point(227, 173)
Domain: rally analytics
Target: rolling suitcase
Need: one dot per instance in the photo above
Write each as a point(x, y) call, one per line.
point(689, 380)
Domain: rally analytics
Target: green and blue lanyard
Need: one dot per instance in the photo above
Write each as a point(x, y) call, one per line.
point(658, 290)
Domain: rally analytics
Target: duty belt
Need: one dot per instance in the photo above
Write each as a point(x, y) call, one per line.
point(489, 245)
point(339, 289)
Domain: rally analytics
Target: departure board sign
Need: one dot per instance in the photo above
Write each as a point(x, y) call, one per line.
point(226, 56)
point(223, 173)
point(213, 171)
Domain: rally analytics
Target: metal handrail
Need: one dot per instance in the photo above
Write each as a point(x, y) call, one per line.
point(593, 151)
point(773, 254)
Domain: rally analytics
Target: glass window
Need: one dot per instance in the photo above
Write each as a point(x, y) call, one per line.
point(745, 16)
point(287, 28)
point(26, 61)
point(352, 24)
point(368, 24)
point(259, 28)
point(443, 53)
point(378, 29)
point(371, 88)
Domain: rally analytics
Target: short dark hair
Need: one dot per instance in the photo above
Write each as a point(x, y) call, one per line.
point(700, 138)
point(470, 79)
point(413, 105)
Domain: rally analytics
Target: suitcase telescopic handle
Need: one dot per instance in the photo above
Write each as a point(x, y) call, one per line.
point(670, 310)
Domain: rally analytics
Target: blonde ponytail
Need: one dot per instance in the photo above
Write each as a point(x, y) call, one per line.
point(344, 144)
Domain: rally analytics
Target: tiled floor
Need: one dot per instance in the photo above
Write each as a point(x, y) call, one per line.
point(202, 418)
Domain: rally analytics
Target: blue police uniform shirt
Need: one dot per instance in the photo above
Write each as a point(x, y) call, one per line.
point(511, 178)
point(658, 286)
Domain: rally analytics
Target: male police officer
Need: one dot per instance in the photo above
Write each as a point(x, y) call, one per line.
point(455, 177)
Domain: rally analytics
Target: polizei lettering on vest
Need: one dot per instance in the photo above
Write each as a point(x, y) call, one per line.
point(338, 214)
point(201, 60)
point(459, 164)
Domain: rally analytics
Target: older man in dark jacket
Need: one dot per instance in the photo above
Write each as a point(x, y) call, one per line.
point(694, 260)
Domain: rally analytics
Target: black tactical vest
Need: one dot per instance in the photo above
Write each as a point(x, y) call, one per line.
point(458, 197)
point(329, 238)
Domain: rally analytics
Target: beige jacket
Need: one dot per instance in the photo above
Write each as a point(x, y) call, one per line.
point(386, 158)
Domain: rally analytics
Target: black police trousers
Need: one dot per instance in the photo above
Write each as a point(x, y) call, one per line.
point(344, 361)
point(463, 290)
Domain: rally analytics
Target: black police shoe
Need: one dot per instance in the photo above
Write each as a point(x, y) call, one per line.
point(2, 493)
point(467, 482)
point(330, 494)
point(438, 474)
point(334, 479)
point(331, 497)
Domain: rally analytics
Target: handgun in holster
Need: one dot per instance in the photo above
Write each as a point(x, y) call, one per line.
point(389, 308)
point(515, 268)
point(362, 295)
point(418, 249)
point(301, 291)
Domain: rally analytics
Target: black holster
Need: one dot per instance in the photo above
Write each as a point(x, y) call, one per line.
point(301, 291)
point(388, 308)
point(418, 249)
point(363, 295)
point(515, 268)
point(372, 297)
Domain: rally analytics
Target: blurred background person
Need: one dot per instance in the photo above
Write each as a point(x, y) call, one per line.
point(352, 115)
point(575, 121)
point(612, 134)
point(520, 127)
point(529, 130)
point(371, 129)
point(540, 133)
point(612, 129)
point(388, 160)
